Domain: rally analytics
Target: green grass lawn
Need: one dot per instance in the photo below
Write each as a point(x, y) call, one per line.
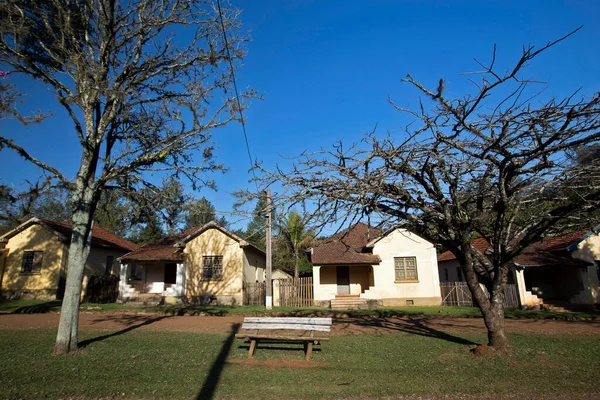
point(41, 306)
point(140, 364)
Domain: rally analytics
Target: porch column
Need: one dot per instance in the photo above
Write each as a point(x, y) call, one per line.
point(180, 280)
point(317, 283)
point(123, 281)
point(520, 281)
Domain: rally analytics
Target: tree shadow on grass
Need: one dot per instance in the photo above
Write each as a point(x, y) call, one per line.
point(145, 322)
point(211, 381)
point(41, 308)
point(411, 325)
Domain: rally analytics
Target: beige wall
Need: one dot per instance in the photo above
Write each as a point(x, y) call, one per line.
point(254, 265)
point(96, 264)
point(54, 262)
point(589, 249)
point(34, 238)
point(452, 266)
point(213, 242)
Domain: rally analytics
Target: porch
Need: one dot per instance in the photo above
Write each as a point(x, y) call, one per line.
point(556, 284)
point(158, 278)
point(343, 282)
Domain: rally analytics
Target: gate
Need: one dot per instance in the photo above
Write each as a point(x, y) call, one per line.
point(458, 294)
point(254, 293)
point(297, 293)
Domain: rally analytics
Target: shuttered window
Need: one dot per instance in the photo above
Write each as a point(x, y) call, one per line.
point(406, 268)
point(212, 267)
point(32, 262)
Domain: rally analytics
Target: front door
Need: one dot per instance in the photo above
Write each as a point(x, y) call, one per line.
point(343, 280)
point(170, 273)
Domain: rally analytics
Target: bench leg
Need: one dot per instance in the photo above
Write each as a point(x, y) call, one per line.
point(252, 348)
point(309, 348)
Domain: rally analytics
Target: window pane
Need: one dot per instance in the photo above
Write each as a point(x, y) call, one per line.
point(405, 268)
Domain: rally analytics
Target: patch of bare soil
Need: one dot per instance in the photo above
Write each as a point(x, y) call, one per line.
point(245, 363)
point(429, 326)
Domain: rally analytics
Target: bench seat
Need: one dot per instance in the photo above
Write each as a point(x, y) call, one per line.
point(307, 325)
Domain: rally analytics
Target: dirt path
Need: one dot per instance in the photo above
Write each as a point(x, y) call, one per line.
point(348, 326)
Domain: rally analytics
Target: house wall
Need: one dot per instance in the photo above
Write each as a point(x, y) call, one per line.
point(254, 265)
point(42, 285)
point(380, 283)
point(228, 290)
point(324, 282)
point(589, 250)
point(402, 243)
point(452, 266)
point(96, 264)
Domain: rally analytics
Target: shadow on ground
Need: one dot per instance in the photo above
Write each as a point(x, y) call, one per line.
point(211, 381)
point(132, 326)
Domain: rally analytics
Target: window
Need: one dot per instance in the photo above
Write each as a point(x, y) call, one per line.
point(32, 262)
point(212, 267)
point(446, 275)
point(109, 265)
point(459, 276)
point(406, 268)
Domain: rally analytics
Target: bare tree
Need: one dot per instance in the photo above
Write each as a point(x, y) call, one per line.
point(487, 164)
point(144, 83)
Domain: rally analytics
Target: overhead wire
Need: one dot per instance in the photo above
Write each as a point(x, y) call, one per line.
point(237, 95)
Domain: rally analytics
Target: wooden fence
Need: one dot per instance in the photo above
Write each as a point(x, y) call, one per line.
point(458, 294)
point(101, 289)
point(254, 293)
point(297, 293)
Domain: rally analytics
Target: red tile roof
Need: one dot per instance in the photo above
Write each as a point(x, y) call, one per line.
point(549, 250)
point(171, 248)
point(347, 247)
point(480, 243)
point(161, 250)
point(100, 236)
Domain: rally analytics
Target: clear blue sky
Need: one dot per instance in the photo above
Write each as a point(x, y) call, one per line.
point(326, 69)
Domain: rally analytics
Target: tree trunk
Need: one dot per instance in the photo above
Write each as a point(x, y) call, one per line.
point(492, 308)
point(494, 322)
point(79, 249)
point(296, 265)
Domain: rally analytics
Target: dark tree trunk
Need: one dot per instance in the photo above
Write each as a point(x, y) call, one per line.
point(492, 308)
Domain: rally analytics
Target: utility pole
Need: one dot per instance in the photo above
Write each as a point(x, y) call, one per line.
point(269, 295)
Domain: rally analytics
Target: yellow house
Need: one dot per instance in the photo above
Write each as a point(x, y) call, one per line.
point(362, 265)
point(34, 255)
point(200, 265)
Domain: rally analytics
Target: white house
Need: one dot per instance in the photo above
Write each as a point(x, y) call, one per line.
point(361, 264)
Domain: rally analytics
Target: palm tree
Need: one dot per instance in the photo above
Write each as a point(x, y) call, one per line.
point(294, 233)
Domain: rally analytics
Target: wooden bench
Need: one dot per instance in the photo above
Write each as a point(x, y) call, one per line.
point(308, 326)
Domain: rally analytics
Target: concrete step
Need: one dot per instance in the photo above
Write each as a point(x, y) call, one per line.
point(347, 304)
point(148, 299)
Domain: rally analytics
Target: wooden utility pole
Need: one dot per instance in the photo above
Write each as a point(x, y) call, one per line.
point(268, 283)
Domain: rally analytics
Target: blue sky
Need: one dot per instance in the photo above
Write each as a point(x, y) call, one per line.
point(326, 69)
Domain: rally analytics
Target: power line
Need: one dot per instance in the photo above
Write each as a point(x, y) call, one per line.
point(237, 95)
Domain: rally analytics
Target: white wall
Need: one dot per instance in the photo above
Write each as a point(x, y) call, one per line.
point(402, 243)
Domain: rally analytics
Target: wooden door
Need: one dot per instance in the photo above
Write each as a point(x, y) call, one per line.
point(343, 280)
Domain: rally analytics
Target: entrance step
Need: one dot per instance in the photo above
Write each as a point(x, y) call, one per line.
point(349, 304)
point(147, 299)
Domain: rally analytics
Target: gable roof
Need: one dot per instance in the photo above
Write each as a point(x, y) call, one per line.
point(549, 250)
point(100, 236)
point(347, 247)
point(171, 248)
